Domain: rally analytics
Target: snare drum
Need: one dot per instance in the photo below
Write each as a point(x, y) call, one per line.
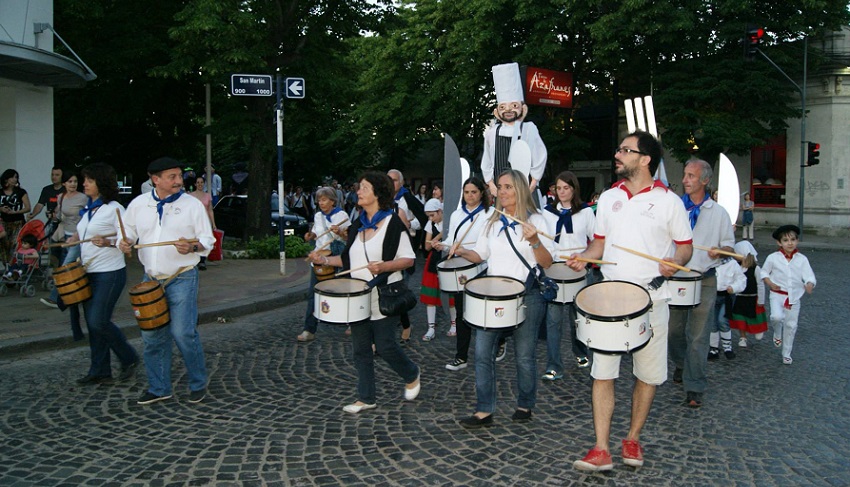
point(685, 289)
point(343, 301)
point(494, 302)
point(613, 317)
point(455, 273)
point(569, 281)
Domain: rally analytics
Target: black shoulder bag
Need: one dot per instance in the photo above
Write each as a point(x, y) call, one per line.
point(394, 298)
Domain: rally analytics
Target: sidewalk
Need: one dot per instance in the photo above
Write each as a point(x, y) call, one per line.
point(229, 288)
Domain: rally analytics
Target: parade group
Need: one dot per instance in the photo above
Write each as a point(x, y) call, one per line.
point(643, 271)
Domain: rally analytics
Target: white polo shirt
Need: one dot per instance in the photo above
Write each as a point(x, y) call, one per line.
point(651, 222)
point(494, 247)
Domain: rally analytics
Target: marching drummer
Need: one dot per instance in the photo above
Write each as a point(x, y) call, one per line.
point(689, 336)
point(466, 224)
point(330, 229)
point(571, 222)
point(167, 214)
point(511, 245)
point(642, 215)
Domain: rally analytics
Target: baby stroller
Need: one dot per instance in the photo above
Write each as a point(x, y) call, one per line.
point(34, 272)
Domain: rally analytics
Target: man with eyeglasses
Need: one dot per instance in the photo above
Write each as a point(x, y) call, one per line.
point(510, 125)
point(690, 329)
point(640, 214)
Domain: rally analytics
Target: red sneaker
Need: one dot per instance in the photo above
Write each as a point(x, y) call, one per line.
point(632, 453)
point(596, 460)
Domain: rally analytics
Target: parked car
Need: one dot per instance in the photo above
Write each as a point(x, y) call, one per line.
point(231, 213)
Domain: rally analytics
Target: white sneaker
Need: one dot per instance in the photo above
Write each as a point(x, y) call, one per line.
point(432, 332)
point(742, 342)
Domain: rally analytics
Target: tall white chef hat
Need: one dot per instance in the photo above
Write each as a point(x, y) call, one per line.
point(508, 84)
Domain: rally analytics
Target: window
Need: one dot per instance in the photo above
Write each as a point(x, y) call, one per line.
point(768, 173)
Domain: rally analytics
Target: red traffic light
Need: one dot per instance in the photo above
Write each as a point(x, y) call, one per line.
point(755, 35)
point(814, 154)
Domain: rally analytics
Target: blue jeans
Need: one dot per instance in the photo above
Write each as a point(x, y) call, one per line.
point(721, 323)
point(525, 341)
point(311, 324)
point(106, 288)
point(66, 256)
point(383, 334)
point(182, 297)
point(554, 320)
point(688, 337)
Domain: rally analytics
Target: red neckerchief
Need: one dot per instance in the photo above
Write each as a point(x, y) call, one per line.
point(787, 256)
point(622, 185)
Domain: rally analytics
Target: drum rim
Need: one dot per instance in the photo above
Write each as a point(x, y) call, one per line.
point(470, 265)
point(476, 295)
point(620, 352)
point(336, 294)
point(698, 277)
point(611, 319)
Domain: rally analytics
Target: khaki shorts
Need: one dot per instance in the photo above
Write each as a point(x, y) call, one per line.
point(649, 364)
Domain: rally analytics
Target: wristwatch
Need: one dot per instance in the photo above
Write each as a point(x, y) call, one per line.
point(195, 248)
point(536, 246)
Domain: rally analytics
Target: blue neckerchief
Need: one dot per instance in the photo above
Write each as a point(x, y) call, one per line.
point(160, 203)
point(366, 223)
point(565, 220)
point(400, 193)
point(91, 206)
point(693, 209)
point(506, 224)
point(470, 214)
point(332, 213)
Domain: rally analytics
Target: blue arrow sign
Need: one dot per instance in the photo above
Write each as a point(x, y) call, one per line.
point(295, 88)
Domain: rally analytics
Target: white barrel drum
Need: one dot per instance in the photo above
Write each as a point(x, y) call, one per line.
point(454, 273)
point(685, 289)
point(343, 300)
point(613, 317)
point(569, 281)
point(494, 302)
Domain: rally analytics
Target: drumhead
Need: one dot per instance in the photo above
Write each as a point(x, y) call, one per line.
point(496, 288)
point(144, 287)
point(342, 286)
point(613, 301)
point(685, 276)
point(455, 263)
point(561, 272)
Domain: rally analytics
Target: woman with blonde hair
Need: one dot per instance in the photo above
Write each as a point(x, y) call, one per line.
point(512, 248)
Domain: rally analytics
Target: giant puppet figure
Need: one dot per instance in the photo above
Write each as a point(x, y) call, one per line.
point(510, 142)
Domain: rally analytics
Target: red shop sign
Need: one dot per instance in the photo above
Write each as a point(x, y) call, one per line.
point(548, 88)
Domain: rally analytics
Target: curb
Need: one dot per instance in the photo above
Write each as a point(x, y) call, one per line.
point(17, 347)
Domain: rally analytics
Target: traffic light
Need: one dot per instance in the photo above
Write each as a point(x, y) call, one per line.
point(814, 154)
point(752, 41)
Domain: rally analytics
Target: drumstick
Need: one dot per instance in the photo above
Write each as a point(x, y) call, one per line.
point(721, 252)
point(121, 224)
point(343, 273)
point(460, 242)
point(307, 259)
point(539, 232)
point(329, 230)
point(160, 244)
point(589, 261)
point(572, 249)
point(656, 259)
point(78, 242)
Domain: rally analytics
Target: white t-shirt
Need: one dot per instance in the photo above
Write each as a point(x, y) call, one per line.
point(649, 222)
point(583, 225)
point(478, 222)
point(104, 221)
point(374, 248)
point(493, 246)
point(321, 225)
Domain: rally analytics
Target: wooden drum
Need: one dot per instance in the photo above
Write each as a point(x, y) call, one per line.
point(149, 305)
point(72, 283)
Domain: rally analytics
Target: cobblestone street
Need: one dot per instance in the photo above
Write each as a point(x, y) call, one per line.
point(273, 415)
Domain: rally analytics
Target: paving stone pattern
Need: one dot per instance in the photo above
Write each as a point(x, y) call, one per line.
point(273, 416)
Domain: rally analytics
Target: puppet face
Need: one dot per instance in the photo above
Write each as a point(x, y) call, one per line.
point(510, 112)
